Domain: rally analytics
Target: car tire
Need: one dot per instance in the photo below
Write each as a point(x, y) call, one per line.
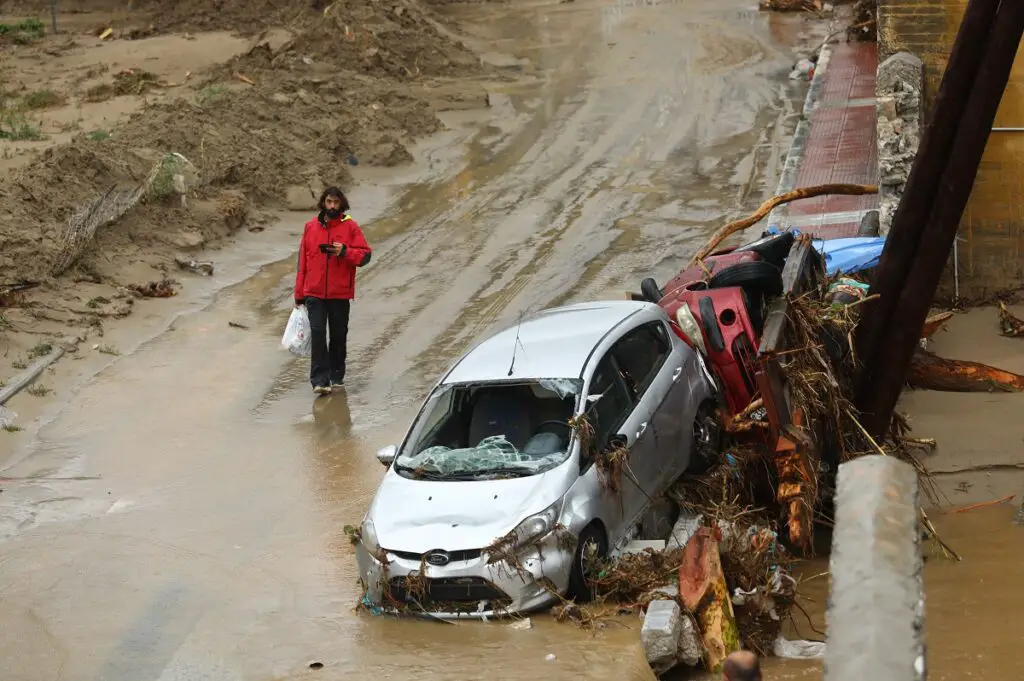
point(773, 248)
point(592, 535)
point(649, 289)
point(708, 438)
point(756, 277)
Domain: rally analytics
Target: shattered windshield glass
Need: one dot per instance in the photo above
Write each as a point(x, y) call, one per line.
point(510, 428)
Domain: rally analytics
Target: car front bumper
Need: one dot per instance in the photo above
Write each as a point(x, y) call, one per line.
point(469, 588)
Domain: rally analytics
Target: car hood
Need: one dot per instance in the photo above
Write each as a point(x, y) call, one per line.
point(420, 515)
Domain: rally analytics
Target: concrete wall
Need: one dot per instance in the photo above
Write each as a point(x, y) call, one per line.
point(991, 253)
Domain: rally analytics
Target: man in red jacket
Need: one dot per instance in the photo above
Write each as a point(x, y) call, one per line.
point(331, 249)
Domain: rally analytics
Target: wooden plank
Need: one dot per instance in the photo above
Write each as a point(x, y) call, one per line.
point(19, 382)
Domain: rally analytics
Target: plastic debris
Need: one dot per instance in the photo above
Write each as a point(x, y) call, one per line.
point(799, 650)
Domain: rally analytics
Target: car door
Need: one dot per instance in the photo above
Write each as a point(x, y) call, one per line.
point(674, 420)
point(612, 414)
point(642, 355)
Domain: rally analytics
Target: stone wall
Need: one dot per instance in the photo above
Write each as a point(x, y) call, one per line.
point(898, 91)
point(991, 244)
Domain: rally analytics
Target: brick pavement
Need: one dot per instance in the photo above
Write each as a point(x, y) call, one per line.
point(837, 144)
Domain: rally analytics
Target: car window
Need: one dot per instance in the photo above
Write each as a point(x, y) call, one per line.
point(640, 355)
point(609, 412)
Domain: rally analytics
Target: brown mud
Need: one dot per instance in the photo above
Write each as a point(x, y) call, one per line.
point(269, 106)
point(181, 480)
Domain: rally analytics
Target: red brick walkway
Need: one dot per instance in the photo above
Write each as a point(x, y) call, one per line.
point(840, 146)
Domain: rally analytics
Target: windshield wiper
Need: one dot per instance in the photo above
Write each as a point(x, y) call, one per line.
point(423, 474)
point(518, 471)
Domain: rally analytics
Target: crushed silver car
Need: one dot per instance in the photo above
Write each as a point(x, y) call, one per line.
point(489, 506)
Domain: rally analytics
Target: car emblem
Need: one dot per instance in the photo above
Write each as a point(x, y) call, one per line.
point(438, 558)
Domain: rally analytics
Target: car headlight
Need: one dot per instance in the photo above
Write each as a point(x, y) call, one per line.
point(536, 526)
point(369, 537)
point(688, 323)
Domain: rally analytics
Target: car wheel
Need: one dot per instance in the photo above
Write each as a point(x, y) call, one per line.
point(591, 546)
point(760, 277)
point(773, 248)
point(707, 438)
point(649, 289)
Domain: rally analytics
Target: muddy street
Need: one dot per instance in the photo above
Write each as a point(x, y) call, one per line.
point(181, 515)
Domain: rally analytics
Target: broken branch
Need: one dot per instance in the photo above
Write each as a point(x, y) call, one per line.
point(1008, 324)
point(767, 207)
point(930, 372)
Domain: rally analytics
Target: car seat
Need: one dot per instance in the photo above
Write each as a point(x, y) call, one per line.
point(544, 444)
point(502, 411)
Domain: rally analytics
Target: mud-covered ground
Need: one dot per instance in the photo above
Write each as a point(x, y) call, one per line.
point(269, 101)
point(189, 489)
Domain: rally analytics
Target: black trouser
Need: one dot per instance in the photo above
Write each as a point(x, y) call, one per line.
point(328, 363)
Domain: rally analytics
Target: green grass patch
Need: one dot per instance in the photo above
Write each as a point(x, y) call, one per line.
point(23, 32)
point(109, 350)
point(40, 350)
point(42, 99)
point(15, 127)
point(210, 94)
point(37, 390)
point(11, 428)
point(98, 135)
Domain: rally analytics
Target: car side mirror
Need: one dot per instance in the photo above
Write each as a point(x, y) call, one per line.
point(386, 455)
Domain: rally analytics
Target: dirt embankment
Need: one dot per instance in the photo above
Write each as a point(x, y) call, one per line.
point(267, 100)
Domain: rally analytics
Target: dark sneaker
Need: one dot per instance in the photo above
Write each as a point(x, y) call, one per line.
point(321, 389)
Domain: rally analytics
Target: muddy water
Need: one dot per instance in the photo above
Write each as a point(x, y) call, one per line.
point(181, 517)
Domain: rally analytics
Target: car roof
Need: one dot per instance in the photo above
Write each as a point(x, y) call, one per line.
point(554, 343)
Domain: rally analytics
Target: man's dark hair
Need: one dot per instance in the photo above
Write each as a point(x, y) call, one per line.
point(745, 668)
point(336, 193)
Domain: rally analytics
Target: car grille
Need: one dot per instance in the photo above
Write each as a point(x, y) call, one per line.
point(447, 590)
point(453, 556)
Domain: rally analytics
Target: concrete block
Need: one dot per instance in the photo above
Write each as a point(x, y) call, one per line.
point(659, 635)
point(876, 607)
point(899, 71)
point(691, 650)
point(684, 528)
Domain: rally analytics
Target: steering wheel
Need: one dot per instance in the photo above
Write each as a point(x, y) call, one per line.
point(562, 424)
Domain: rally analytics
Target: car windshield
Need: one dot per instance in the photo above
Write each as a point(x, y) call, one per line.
point(468, 431)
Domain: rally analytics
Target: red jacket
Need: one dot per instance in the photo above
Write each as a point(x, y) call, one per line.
point(329, 276)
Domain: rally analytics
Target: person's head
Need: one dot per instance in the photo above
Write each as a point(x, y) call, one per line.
point(333, 202)
point(742, 665)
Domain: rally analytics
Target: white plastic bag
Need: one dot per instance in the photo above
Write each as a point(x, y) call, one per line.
point(297, 338)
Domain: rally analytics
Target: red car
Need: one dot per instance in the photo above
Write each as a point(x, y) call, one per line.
point(719, 308)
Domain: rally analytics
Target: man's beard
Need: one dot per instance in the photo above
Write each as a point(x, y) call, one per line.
point(333, 213)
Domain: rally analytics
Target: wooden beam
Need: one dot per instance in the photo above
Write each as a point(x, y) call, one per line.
point(904, 331)
point(908, 224)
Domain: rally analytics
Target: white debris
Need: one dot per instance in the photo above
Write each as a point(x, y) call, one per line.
point(659, 635)
point(691, 649)
point(684, 528)
point(798, 650)
point(522, 625)
point(641, 545)
point(550, 657)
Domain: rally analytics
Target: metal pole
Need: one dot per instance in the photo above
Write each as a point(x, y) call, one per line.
point(53, 14)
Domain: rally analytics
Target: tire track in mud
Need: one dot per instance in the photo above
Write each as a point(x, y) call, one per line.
point(556, 216)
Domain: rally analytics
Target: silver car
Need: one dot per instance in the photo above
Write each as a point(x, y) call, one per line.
point(490, 505)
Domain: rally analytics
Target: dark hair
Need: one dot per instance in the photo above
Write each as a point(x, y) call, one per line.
point(736, 670)
point(336, 193)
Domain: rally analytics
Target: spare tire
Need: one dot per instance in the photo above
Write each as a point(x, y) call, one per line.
point(649, 289)
point(773, 248)
point(757, 277)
